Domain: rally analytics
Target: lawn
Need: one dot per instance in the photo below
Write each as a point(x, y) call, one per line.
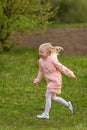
point(67, 25)
point(20, 102)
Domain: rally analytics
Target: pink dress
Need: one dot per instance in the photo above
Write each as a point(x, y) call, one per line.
point(51, 68)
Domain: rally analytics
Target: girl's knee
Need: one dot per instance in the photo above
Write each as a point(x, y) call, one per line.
point(53, 97)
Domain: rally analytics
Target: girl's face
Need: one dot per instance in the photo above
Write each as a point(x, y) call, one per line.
point(43, 52)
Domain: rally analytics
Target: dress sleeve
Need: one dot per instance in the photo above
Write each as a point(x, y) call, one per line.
point(39, 75)
point(63, 68)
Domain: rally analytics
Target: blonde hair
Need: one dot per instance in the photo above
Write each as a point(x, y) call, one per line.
point(51, 49)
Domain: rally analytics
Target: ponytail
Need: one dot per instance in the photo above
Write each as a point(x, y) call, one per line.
point(58, 49)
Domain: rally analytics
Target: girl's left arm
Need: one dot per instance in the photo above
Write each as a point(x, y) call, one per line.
point(64, 69)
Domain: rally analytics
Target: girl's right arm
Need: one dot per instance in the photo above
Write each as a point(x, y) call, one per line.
point(39, 76)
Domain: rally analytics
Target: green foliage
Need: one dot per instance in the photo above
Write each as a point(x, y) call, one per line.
point(22, 15)
point(20, 102)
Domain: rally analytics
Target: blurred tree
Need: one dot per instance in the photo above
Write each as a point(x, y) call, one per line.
point(72, 11)
point(22, 15)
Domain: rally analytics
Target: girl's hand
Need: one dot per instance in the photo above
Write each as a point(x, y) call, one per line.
point(35, 83)
point(75, 77)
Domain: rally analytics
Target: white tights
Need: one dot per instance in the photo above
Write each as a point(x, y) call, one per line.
point(52, 96)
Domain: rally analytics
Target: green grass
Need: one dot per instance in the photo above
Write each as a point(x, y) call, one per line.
point(68, 25)
point(20, 102)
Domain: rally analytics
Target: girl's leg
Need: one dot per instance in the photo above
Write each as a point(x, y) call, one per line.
point(64, 102)
point(48, 103)
point(45, 115)
point(60, 100)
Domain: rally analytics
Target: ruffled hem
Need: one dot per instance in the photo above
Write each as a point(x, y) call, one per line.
point(56, 90)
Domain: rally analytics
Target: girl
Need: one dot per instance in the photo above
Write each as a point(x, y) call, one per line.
point(51, 68)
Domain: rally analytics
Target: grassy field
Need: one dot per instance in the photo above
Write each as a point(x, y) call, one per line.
point(67, 25)
point(20, 102)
